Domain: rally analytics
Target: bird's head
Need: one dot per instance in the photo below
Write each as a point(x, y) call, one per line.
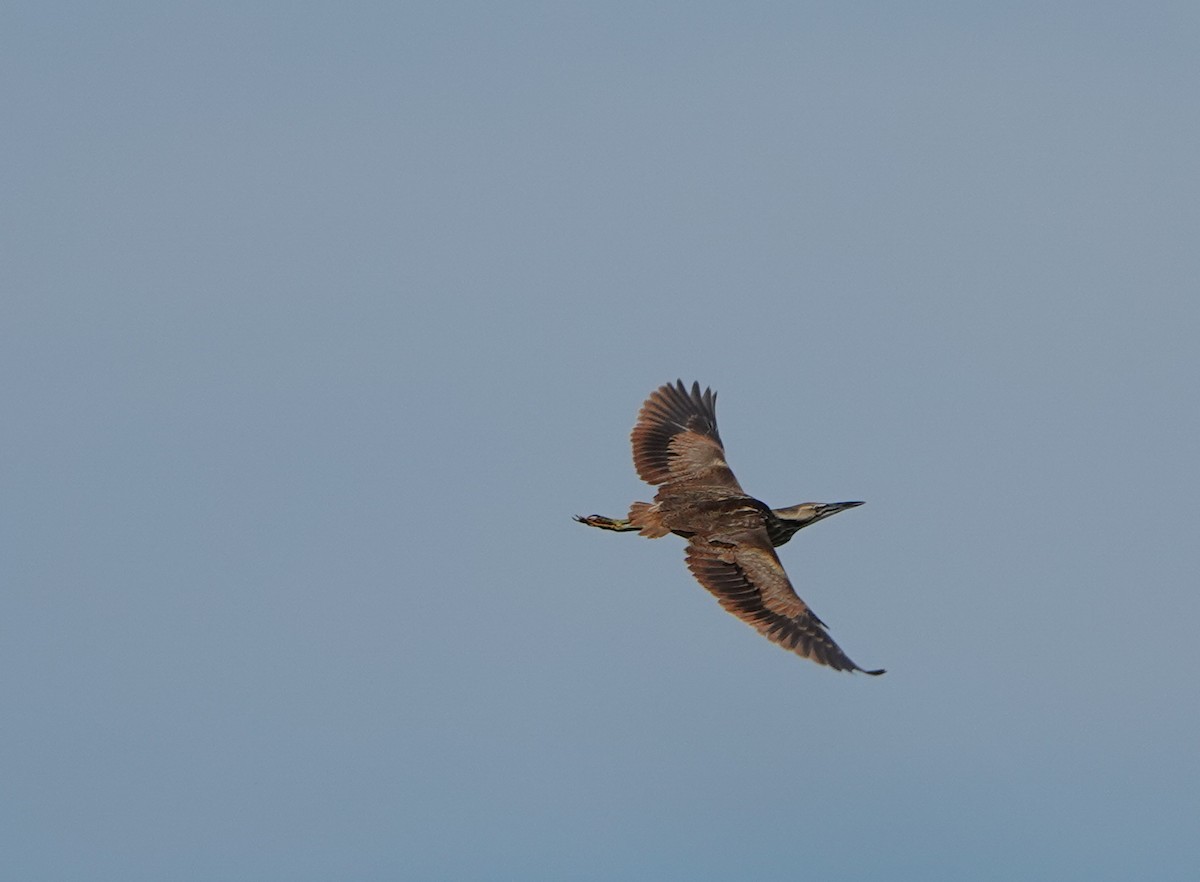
point(810, 512)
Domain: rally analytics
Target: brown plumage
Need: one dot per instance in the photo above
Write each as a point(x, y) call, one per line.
point(731, 536)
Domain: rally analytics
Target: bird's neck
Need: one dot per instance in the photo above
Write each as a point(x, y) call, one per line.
point(780, 530)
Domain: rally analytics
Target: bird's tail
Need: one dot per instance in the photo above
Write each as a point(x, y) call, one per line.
point(645, 517)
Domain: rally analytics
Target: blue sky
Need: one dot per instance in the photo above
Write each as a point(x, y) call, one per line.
point(318, 323)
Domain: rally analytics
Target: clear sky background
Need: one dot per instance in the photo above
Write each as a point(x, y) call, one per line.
point(319, 321)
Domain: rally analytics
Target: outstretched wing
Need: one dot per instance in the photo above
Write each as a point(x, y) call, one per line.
point(745, 575)
point(676, 439)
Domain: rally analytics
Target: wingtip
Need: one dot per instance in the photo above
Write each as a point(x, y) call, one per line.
point(875, 673)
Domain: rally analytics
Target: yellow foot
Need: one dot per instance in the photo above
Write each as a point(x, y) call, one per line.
point(604, 523)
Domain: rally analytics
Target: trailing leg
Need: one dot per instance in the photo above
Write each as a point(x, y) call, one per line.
point(614, 524)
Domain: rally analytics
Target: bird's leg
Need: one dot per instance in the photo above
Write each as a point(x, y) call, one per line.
point(617, 525)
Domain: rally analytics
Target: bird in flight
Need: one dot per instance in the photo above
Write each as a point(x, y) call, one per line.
point(731, 536)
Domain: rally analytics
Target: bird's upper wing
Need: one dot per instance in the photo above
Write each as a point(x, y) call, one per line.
point(743, 572)
point(676, 439)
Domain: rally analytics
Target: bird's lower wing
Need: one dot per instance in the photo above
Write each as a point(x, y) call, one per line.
point(748, 580)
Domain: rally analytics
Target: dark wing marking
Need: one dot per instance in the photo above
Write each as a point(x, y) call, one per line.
point(676, 439)
point(746, 577)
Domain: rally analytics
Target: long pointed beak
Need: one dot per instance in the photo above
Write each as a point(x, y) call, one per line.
point(832, 508)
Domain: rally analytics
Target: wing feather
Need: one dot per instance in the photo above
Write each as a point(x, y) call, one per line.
point(748, 581)
point(675, 439)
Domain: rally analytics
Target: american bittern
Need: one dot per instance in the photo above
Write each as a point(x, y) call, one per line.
point(731, 536)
